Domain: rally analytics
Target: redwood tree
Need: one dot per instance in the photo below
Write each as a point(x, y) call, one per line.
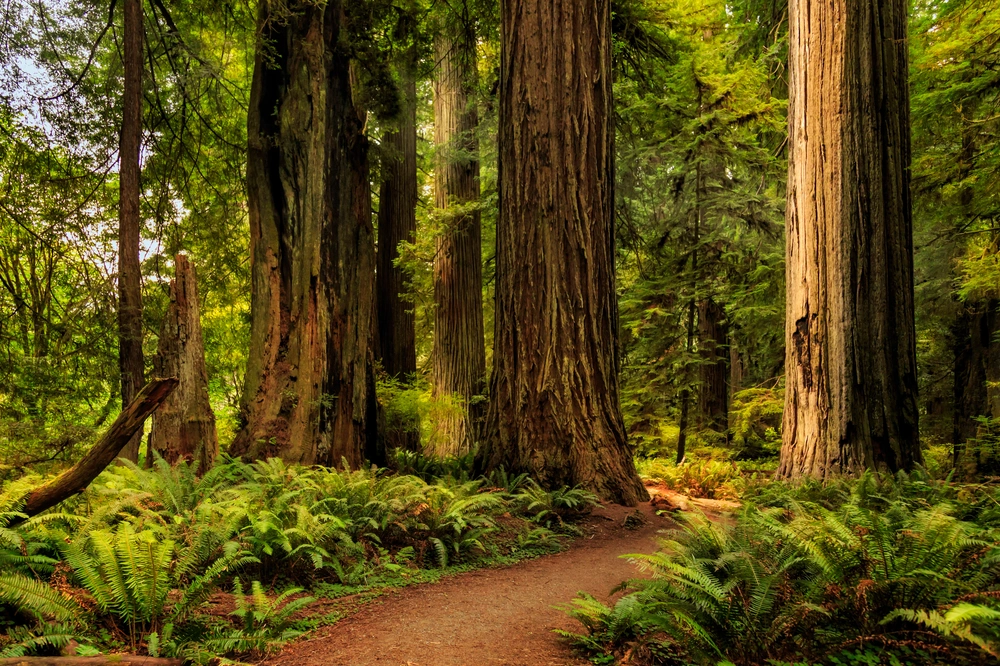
point(459, 352)
point(307, 394)
point(713, 341)
point(850, 342)
point(130, 361)
point(554, 408)
point(397, 223)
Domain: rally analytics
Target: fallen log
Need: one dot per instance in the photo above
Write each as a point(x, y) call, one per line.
point(78, 477)
point(103, 660)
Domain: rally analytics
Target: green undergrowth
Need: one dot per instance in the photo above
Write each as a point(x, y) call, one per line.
point(227, 567)
point(895, 571)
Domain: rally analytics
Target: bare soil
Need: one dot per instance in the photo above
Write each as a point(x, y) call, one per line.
point(489, 617)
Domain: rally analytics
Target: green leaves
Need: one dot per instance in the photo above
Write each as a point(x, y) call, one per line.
point(33, 597)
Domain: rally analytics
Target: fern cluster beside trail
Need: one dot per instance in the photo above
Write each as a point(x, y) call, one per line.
point(130, 564)
point(905, 571)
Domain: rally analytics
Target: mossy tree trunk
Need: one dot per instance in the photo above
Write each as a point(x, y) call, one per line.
point(307, 396)
point(850, 342)
point(554, 403)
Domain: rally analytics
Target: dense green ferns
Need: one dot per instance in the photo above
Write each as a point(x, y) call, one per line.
point(130, 563)
point(877, 570)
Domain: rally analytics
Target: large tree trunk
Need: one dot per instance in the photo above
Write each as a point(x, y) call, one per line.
point(713, 392)
point(130, 361)
point(977, 394)
point(184, 425)
point(397, 223)
point(736, 368)
point(850, 402)
point(554, 408)
point(307, 391)
point(459, 348)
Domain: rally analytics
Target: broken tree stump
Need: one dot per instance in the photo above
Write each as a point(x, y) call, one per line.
point(184, 425)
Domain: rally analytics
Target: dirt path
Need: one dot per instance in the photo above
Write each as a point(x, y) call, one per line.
point(497, 617)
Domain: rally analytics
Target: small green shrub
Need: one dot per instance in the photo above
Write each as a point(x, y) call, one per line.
point(716, 479)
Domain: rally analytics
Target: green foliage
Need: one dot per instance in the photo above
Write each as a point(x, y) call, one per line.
point(712, 477)
point(699, 202)
point(889, 565)
point(431, 468)
point(262, 623)
point(132, 561)
point(755, 421)
point(553, 508)
point(32, 597)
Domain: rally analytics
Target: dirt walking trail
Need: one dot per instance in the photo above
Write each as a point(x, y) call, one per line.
point(492, 617)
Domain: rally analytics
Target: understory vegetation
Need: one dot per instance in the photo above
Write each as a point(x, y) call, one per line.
point(161, 562)
point(869, 571)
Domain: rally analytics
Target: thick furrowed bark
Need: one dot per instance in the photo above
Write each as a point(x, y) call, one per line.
point(850, 342)
point(397, 223)
point(306, 394)
point(554, 407)
point(459, 351)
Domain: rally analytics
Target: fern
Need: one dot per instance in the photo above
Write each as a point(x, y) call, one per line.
point(801, 582)
point(35, 598)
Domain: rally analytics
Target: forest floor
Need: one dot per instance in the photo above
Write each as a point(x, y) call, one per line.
point(488, 617)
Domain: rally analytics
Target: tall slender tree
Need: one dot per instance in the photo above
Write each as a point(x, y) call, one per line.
point(459, 350)
point(554, 405)
point(130, 359)
point(397, 223)
point(850, 341)
point(308, 390)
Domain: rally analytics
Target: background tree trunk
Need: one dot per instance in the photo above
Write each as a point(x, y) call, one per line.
point(736, 362)
point(850, 402)
point(397, 222)
point(713, 392)
point(307, 390)
point(184, 425)
point(977, 371)
point(554, 408)
point(130, 361)
point(459, 347)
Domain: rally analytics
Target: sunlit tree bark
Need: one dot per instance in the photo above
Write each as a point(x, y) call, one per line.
point(850, 341)
point(554, 407)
